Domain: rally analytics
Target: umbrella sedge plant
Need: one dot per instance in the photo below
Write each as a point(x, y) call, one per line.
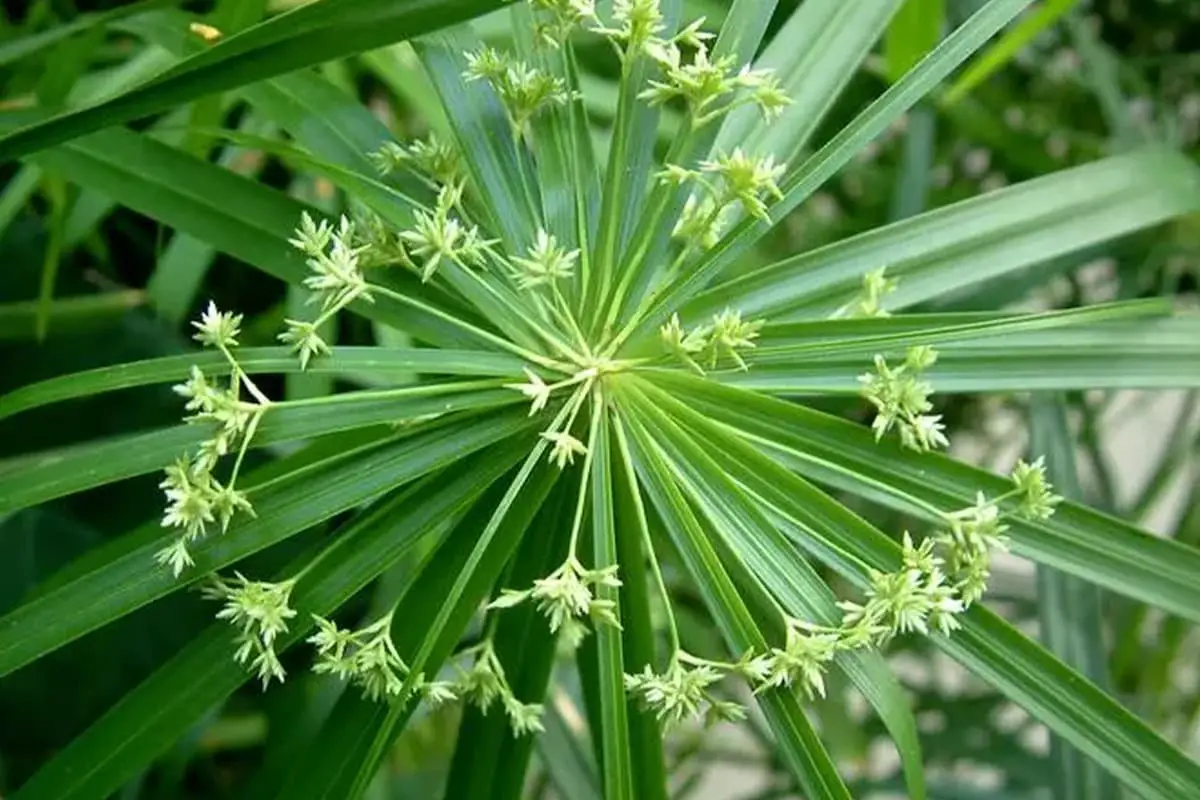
point(615, 392)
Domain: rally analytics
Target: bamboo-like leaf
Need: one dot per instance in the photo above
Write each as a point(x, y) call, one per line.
point(823, 164)
point(914, 31)
point(616, 770)
point(814, 55)
point(564, 756)
point(1148, 353)
point(1076, 540)
point(954, 247)
point(38, 477)
point(633, 536)
point(1070, 610)
point(382, 363)
point(489, 762)
point(465, 580)
point(235, 215)
point(752, 535)
point(628, 172)
point(284, 506)
point(502, 172)
point(180, 692)
point(307, 35)
point(1069, 704)
point(345, 756)
point(803, 751)
point(644, 258)
point(1004, 49)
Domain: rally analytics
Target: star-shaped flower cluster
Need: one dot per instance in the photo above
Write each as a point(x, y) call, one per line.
point(195, 498)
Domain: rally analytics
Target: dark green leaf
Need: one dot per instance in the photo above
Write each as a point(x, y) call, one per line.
point(284, 506)
point(307, 35)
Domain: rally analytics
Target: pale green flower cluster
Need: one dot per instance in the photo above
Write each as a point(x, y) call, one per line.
point(938, 580)
point(438, 161)
point(726, 337)
point(367, 658)
point(722, 182)
point(440, 236)
point(901, 400)
point(525, 91)
point(711, 88)
point(875, 287)
point(545, 264)
point(260, 611)
point(684, 690)
point(564, 446)
point(566, 597)
point(558, 18)
point(336, 281)
point(196, 499)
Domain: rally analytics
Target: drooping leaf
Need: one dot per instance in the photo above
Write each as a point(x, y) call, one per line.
point(307, 35)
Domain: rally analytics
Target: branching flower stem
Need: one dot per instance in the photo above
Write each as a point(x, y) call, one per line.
point(251, 427)
point(240, 375)
point(585, 473)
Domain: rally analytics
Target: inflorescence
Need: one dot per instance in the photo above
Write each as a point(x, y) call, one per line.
point(938, 579)
point(196, 499)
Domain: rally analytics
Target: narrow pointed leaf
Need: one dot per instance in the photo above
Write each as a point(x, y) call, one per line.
point(954, 247)
point(1076, 540)
point(284, 507)
point(1070, 610)
point(616, 770)
point(35, 478)
point(802, 749)
point(235, 215)
point(179, 693)
point(814, 55)
point(307, 35)
point(776, 562)
point(382, 363)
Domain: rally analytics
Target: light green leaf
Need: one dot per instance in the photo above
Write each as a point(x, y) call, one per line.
point(814, 55)
point(489, 763)
point(638, 645)
point(832, 451)
point(1025, 672)
point(502, 172)
point(385, 364)
point(1070, 610)
point(1148, 353)
point(37, 477)
point(952, 248)
point(835, 154)
point(802, 750)
point(1006, 48)
point(627, 175)
point(754, 538)
point(616, 770)
point(914, 31)
point(564, 757)
point(235, 215)
point(345, 755)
